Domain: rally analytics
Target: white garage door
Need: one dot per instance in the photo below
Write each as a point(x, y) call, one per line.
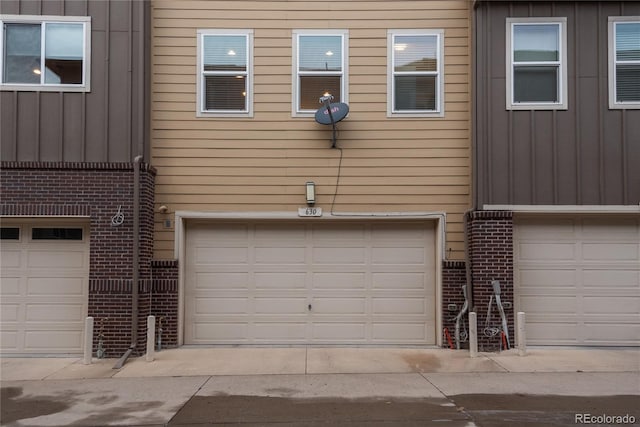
point(310, 283)
point(578, 280)
point(45, 272)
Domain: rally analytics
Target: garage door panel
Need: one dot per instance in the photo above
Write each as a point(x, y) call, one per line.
point(222, 255)
point(56, 286)
point(56, 259)
point(548, 305)
point(10, 337)
point(54, 312)
point(339, 305)
point(221, 305)
point(10, 313)
point(46, 341)
point(10, 286)
point(606, 229)
point(279, 305)
point(589, 298)
point(338, 255)
point(551, 333)
point(609, 251)
point(399, 332)
point(280, 280)
point(224, 332)
point(604, 304)
point(10, 259)
point(549, 278)
point(339, 280)
point(282, 332)
point(338, 232)
point(346, 332)
point(398, 255)
point(342, 270)
point(621, 278)
point(399, 280)
point(280, 255)
point(612, 333)
point(221, 280)
point(551, 251)
point(398, 306)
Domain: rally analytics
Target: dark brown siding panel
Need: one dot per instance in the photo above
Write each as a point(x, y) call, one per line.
point(97, 126)
point(587, 154)
point(50, 130)
point(8, 125)
point(73, 125)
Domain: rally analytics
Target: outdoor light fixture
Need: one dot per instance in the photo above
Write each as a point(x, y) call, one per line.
point(311, 193)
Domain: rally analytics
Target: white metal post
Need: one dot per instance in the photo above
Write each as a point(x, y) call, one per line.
point(151, 335)
point(522, 336)
point(473, 334)
point(88, 340)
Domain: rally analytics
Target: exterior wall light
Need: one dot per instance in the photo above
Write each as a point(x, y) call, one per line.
point(311, 193)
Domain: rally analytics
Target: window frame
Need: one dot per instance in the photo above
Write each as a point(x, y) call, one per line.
point(612, 62)
point(344, 74)
point(43, 20)
point(200, 73)
point(439, 73)
point(562, 64)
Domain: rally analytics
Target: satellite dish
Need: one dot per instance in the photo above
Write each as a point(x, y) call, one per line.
point(331, 113)
point(339, 111)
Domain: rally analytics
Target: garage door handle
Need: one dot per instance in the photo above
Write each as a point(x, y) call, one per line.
point(309, 307)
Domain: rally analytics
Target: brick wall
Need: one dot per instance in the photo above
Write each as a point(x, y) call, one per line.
point(97, 191)
point(490, 236)
point(453, 279)
point(164, 300)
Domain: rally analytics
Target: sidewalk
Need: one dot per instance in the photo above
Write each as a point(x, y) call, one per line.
point(184, 362)
point(183, 386)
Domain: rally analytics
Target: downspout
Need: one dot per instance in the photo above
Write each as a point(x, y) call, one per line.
point(136, 263)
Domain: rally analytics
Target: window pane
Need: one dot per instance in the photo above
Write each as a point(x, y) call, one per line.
point(56, 234)
point(539, 42)
point(628, 41)
point(320, 53)
point(9, 233)
point(225, 53)
point(415, 53)
point(628, 83)
point(415, 93)
point(313, 87)
point(535, 84)
point(22, 53)
point(225, 93)
point(63, 53)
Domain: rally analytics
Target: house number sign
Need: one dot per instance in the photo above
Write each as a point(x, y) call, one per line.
point(310, 211)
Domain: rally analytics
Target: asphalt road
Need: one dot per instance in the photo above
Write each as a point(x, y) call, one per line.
point(485, 410)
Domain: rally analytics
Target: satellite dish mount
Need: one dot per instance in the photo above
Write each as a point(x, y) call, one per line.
point(331, 113)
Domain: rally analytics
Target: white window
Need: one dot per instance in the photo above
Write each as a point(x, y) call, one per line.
point(45, 53)
point(624, 62)
point(319, 68)
point(415, 77)
point(536, 64)
point(225, 73)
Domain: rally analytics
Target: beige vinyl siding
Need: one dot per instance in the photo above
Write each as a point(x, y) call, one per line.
point(262, 163)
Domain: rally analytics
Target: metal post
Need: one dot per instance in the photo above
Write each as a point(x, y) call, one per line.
point(522, 336)
point(151, 335)
point(473, 334)
point(88, 340)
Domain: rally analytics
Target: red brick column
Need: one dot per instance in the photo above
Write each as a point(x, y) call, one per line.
point(490, 236)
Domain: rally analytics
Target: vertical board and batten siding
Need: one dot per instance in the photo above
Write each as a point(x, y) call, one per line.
point(262, 163)
point(106, 124)
point(585, 155)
